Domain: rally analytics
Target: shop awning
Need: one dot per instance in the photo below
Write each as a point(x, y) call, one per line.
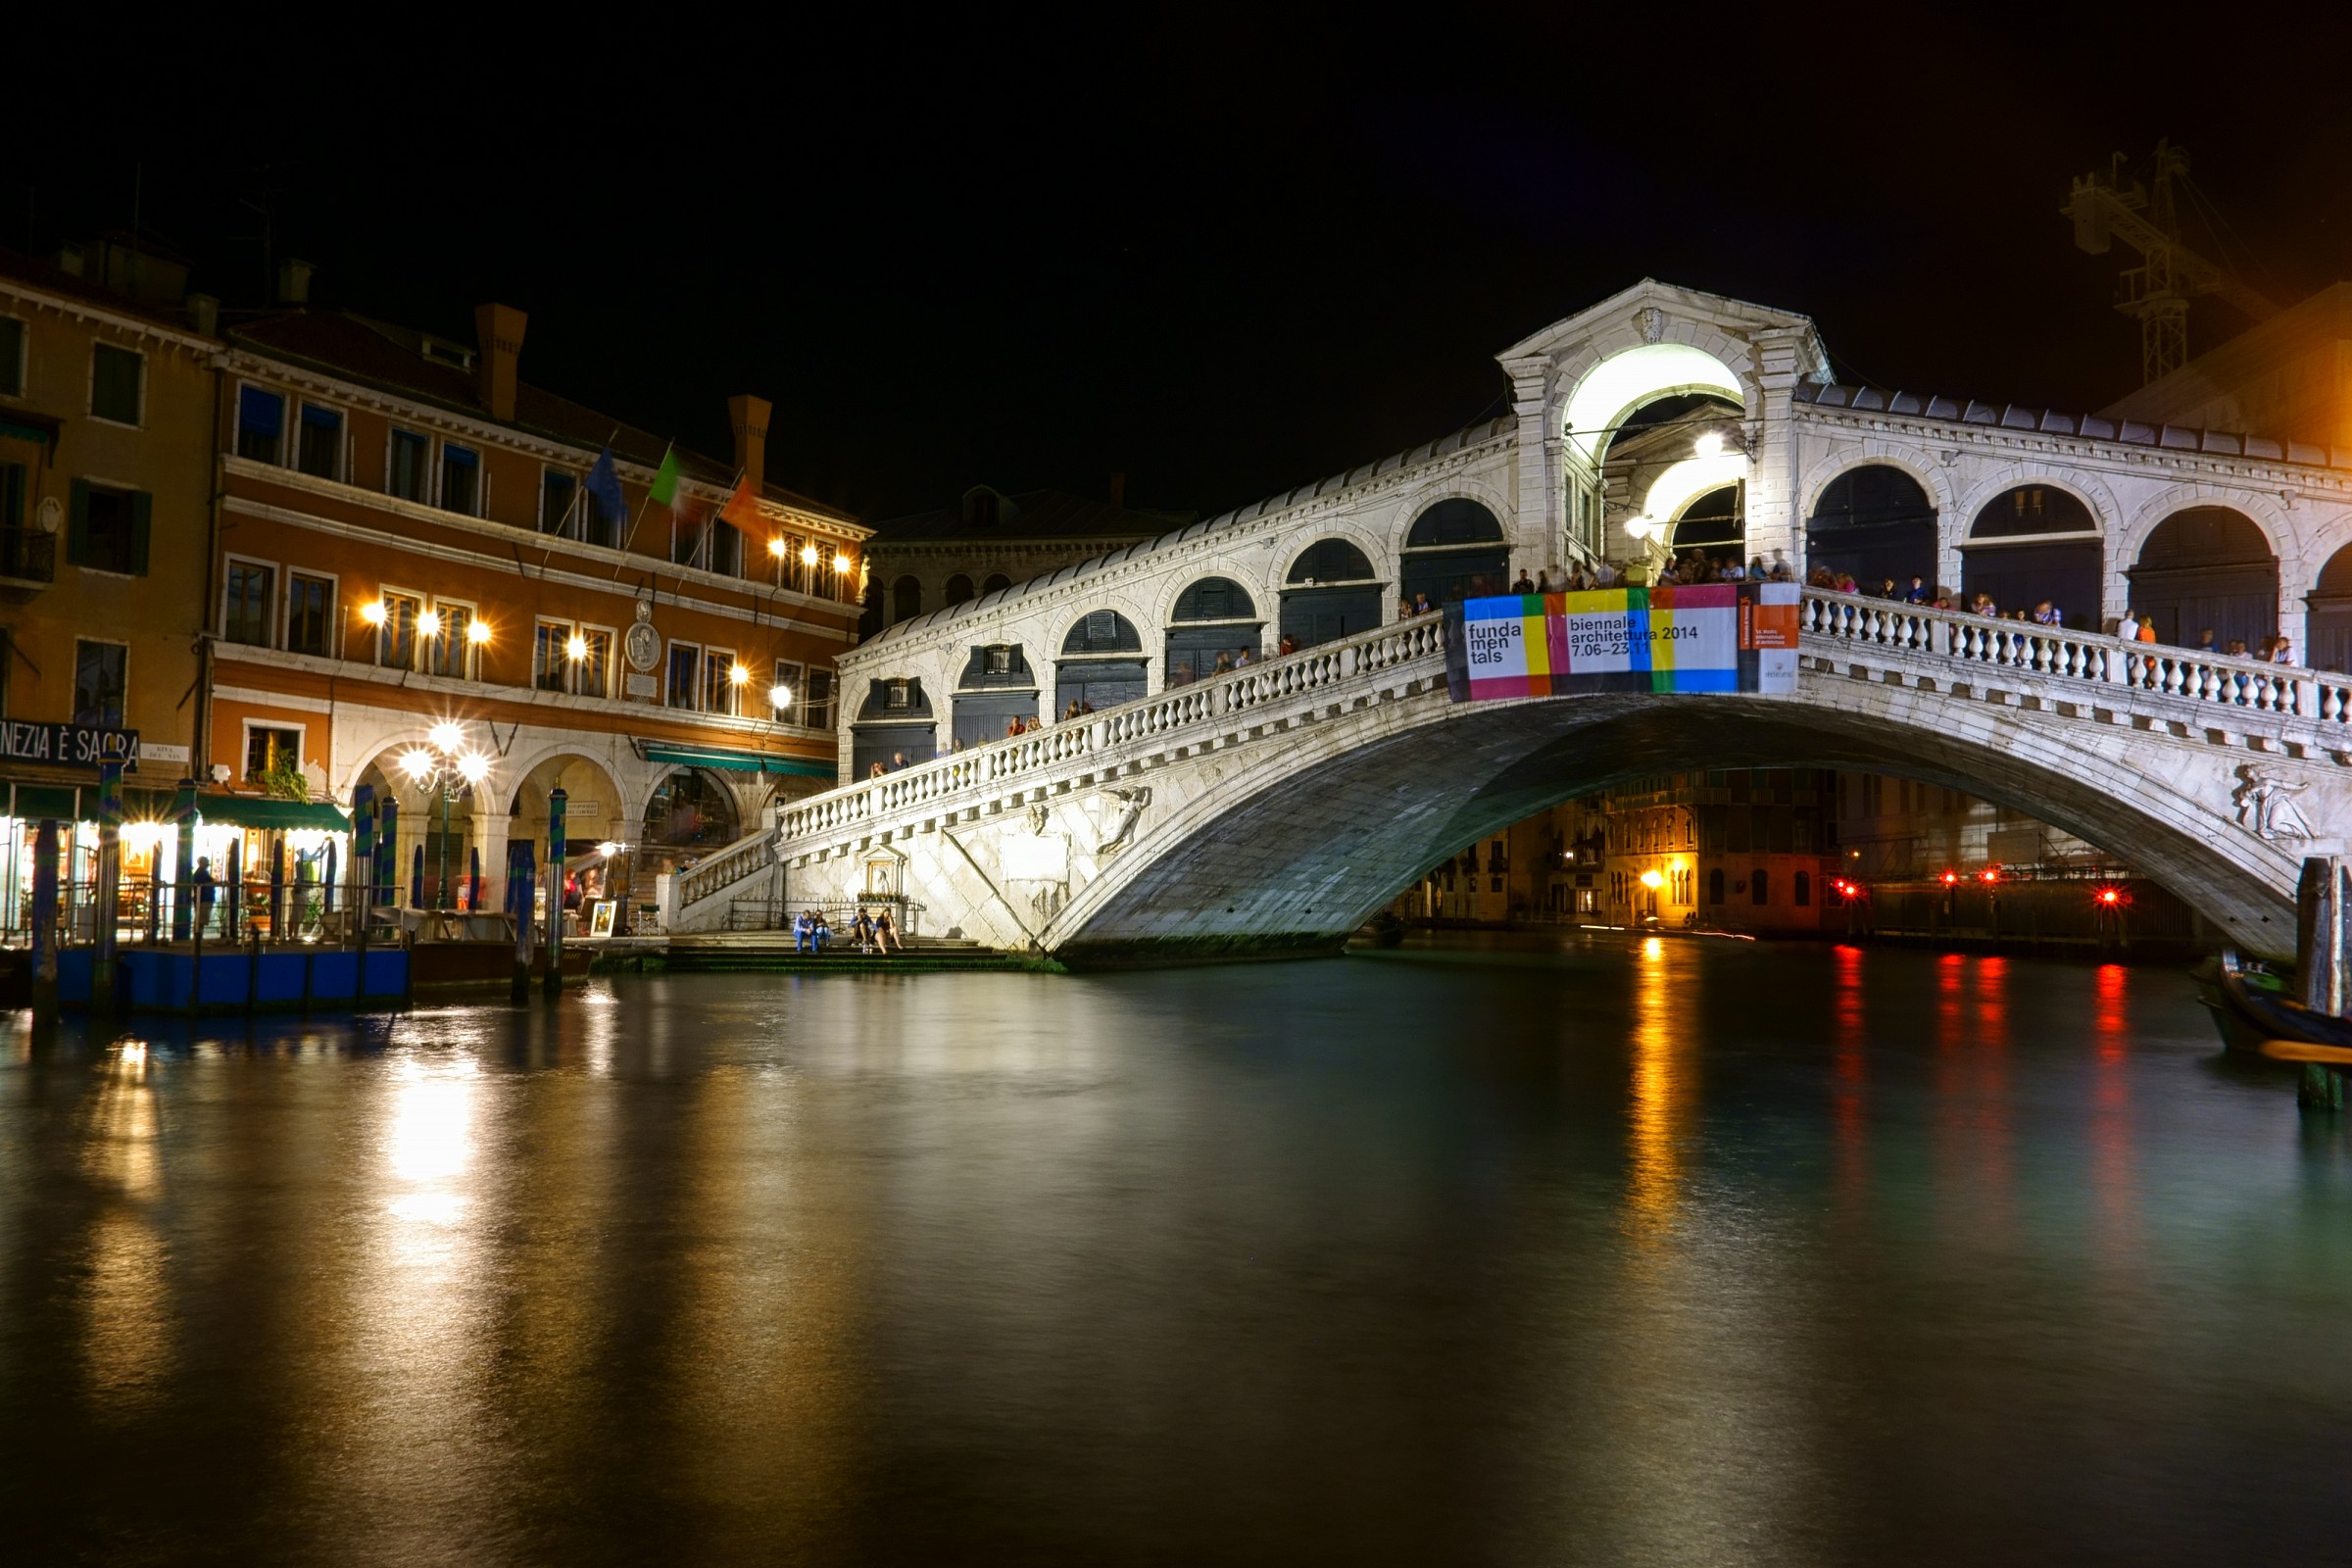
point(262, 812)
point(35, 801)
point(22, 425)
point(738, 761)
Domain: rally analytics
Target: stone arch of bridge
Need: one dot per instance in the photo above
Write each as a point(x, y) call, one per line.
point(1293, 842)
point(1619, 382)
point(1388, 551)
point(1930, 478)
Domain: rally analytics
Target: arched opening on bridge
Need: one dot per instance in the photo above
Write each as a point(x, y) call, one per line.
point(690, 812)
point(1330, 592)
point(2208, 568)
point(895, 727)
point(2327, 633)
point(1714, 524)
point(1455, 551)
point(2033, 543)
point(958, 591)
point(1215, 622)
point(1876, 523)
point(1632, 420)
point(994, 696)
point(905, 599)
point(1101, 663)
point(995, 583)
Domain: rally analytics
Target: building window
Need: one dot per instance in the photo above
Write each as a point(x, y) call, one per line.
point(115, 383)
point(1760, 886)
point(558, 493)
point(100, 678)
point(396, 638)
point(261, 426)
point(246, 611)
point(409, 467)
point(595, 672)
point(548, 655)
point(11, 356)
point(816, 703)
point(310, 611)
point(685, 540)
point(451, 652)
point(108, 528)
point(269, 748)
point(719, 682)
point(794, 679)
point(685, 673)
point(461, 479)
point(318, 443)
point(1800, 890)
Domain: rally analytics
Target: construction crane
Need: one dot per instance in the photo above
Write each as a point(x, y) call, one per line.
point(2106, 208)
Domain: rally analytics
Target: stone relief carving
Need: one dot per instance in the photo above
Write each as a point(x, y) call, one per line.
point(2266, 806)
point(1039, 815)
point(1653, 324)
point(1117, 832)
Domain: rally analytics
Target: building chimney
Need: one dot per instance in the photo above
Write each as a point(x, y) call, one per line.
point(294, 281)
point(204, 314)
point(1119, 490)
point(749, 415)
point(498, 329)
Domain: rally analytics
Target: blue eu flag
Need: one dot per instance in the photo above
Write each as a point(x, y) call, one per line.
point(604, 488)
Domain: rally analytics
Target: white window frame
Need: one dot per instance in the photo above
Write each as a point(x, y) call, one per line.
point(393, 430)
point(343, 438)
point(285, 610)
point(24, 353)
point(710, 661)
point(89, 402)
point(798, 711)
point(302, 742)
point(273, 621)
point(482, 477)
point(110, 642)
point(669, 657)
point(611, 636)
point(470, 661)
point(579, 501)
point(385, 592)
point(537, 622)
point(285, 402)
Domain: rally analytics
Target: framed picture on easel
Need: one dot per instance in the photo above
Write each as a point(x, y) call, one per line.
point(599, 923)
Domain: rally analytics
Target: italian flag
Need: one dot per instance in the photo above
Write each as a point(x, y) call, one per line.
point(664, 488)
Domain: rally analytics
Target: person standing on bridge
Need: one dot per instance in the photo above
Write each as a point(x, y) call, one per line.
point(2207, 643)
point(1917, 593)
point(1524, 585)
point(2283, 652)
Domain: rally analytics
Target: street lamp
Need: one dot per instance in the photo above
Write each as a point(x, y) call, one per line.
point(444, 759)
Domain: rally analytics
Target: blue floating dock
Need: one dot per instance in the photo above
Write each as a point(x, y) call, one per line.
point(291, 979)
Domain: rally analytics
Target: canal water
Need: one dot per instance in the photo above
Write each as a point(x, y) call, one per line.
point(1514, 1251)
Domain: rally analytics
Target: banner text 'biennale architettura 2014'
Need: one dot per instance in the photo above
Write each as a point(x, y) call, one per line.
point(1717, 637)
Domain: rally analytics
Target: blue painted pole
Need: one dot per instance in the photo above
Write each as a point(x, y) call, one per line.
point(45, 922)
point(110, 885)
point(556, 800)
point(518, 878)
point(184, 822)
point(384, 876)
point(416, 879)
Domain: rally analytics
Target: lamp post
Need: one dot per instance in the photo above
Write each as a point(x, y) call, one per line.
point(444, 759)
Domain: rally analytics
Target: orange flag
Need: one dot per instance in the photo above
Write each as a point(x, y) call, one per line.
point(743, 507)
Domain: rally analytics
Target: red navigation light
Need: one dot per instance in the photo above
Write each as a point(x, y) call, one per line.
point(1950, 877)
point(1990, 874)
point(2111, 896)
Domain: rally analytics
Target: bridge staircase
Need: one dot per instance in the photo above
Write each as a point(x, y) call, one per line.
point(706, 896)
point(775, 952)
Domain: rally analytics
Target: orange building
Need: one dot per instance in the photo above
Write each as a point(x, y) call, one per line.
point(413, 583)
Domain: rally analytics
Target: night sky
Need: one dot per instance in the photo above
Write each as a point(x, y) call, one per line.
point(1222, 257)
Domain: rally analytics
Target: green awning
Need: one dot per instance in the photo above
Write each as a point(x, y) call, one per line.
point(262, 812)
point(738, 761)
point(60, 801)
point(28, 426)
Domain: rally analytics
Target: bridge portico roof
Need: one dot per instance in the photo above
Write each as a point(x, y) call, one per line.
point(2084, 426)
point(1479, 434)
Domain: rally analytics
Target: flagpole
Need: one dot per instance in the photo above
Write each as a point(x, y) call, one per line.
point(630, 541)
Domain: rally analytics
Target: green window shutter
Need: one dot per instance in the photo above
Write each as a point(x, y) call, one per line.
point(141, 505)
point(77, 526)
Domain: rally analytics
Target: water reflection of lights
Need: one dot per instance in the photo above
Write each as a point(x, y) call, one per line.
point(126, 1306)
point(1659, 1094)
point(432, 1120)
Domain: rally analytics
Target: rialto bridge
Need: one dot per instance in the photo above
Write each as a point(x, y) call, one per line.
point(1203, 808)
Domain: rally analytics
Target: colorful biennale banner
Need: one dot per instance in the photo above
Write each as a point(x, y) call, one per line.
point(1719, 637)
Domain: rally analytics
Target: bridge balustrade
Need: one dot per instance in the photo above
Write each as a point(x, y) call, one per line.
point(2092, 658)
point(1045, 753)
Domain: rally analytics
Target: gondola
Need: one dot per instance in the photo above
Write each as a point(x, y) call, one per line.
point(2250, 1005)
